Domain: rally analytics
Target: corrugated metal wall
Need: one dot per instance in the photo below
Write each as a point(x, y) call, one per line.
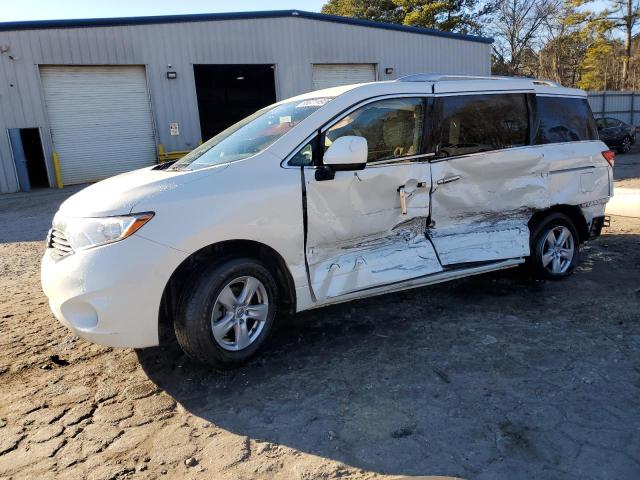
point(292, 44)
point(624, 106)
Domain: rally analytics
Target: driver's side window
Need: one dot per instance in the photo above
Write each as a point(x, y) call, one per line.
point(393, 128)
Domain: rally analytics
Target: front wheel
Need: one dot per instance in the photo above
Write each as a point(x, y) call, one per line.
point(226, 313)
point(554, 247)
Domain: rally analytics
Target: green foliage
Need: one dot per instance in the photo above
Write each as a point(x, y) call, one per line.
point(595, 65)
point(463, 16)
point(377, 10)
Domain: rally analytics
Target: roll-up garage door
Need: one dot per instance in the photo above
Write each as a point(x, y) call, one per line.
point(333, 75)
point(100, 120)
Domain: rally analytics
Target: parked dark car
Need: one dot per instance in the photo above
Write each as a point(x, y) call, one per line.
point(616, 134)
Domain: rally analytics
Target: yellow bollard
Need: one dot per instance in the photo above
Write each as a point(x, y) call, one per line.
point(56, 168)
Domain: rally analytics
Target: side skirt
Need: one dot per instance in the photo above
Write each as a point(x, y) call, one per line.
point(439, 277)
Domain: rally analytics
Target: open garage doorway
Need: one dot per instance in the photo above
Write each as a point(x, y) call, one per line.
point(228, 93)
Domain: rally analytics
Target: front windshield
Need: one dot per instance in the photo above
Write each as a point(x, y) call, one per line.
point(251, 135)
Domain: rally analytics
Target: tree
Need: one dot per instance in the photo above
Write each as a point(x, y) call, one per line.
point(568, 32)
point(624, 14)
point(377, 10)
point(600, 65)
point(464, 16)
point(517, 25)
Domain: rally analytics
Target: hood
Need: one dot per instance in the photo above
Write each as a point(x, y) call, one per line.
point(118, 195)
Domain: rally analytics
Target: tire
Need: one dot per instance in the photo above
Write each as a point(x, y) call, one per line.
point(564, 256)
point(625, 146)
point(206, 303)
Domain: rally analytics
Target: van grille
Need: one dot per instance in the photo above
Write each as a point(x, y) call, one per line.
point(59, 243)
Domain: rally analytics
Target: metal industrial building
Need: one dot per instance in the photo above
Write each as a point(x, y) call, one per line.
point(81, 100)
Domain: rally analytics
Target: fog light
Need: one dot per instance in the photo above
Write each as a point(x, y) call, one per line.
point(80, 315)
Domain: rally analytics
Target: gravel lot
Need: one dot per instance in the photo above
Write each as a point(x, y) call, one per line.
point(490, 377)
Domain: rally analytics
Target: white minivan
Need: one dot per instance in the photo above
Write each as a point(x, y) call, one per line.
point(326, 197)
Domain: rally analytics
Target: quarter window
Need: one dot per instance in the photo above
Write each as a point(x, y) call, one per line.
point(481, 123)
point(565, 120)
point(393, 128)
point(304, 157)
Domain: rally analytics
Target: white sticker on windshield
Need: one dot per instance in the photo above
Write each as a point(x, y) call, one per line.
point(314, 102)
point(285, 119)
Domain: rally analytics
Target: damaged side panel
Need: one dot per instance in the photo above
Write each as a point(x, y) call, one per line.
point(481, 204)
point(578, 177)
point(389, 257)
point(357, 236)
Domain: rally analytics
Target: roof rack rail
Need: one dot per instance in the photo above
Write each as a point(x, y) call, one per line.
point(545, 83)
point(443, 77)
point(440, 77)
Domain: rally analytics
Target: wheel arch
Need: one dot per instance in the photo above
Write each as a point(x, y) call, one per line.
point(572, 211)
point(212, 253)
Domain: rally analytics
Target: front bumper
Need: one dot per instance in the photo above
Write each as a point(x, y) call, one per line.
point(111, 294)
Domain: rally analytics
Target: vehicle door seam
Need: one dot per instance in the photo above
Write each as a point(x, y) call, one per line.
point(305, 229)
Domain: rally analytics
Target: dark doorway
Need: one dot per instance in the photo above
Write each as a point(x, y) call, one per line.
point(36, 167)
point(28, 156)
point(228, 93)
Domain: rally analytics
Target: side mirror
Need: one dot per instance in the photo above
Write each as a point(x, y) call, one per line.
point(347, 153)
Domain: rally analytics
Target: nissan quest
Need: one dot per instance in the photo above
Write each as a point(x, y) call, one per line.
point(330, 196)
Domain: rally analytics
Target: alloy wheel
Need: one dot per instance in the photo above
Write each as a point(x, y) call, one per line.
point(239, 313)
point(558, 250)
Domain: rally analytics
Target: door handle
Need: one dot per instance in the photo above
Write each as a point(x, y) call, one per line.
point(406, 192)
point(404, 196)
point(444, 180)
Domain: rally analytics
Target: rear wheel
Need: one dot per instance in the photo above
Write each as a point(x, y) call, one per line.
point(554, 247)
point(625, 146)
point(226, 313)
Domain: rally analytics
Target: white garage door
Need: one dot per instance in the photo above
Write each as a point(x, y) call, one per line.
point(100, 120)
point(327, 75)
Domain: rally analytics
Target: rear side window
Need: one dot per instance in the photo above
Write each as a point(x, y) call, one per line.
point(564, 120)
point(481, 123)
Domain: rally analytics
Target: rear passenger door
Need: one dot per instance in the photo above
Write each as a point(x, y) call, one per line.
point(486, 181)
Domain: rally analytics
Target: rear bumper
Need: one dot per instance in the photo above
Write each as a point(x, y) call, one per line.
point(597, 224)
point(111, 294)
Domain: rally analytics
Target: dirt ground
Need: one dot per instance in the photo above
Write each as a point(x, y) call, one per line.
point(490, 377)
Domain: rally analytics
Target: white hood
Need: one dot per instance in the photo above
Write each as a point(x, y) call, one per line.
point(118, 195)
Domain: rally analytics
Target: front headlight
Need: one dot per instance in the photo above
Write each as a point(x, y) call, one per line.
point(83, 233)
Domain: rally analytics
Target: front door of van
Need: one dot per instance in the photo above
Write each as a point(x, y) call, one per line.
point(486, 182)
point(358, 236)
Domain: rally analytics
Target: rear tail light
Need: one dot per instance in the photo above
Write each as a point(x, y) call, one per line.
point(609, 156)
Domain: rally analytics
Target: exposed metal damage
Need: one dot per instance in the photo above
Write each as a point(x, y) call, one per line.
point(403, 252)
point(477, 214)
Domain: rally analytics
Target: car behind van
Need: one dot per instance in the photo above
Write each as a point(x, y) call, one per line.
point(326, 197)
